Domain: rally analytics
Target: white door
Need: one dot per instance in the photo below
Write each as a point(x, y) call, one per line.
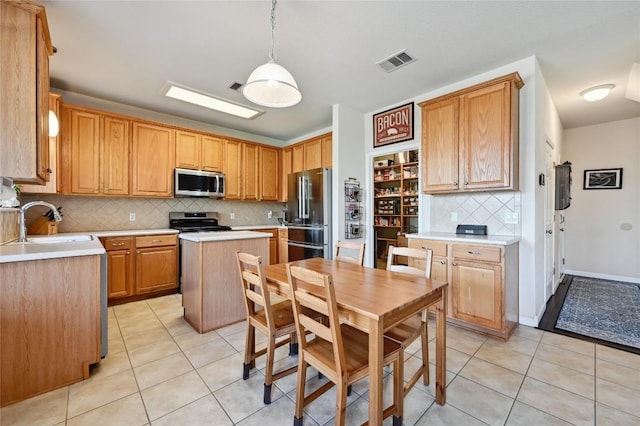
point(549, 225)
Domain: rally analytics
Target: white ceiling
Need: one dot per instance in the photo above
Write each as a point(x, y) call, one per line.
point(126, 51)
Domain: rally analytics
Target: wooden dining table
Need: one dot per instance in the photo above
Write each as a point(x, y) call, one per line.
point(374, 300)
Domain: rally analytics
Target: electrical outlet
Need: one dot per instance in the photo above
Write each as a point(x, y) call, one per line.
point(454, 216)
point(232, 216)
point(132, 217)
point(270, 214)
point(511, 218)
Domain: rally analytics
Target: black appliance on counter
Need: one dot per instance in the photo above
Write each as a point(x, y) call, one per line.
point(471, 229)
point(193, 222)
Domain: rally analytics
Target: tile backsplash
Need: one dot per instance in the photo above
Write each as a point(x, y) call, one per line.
point(484, 208)
point(82, 214)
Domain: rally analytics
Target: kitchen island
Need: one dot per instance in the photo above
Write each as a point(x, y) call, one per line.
point(211, 292)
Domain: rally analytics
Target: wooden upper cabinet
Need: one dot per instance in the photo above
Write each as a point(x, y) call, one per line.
point(152, 160)
point(83, 138)
point(250, 172)
point(94, 153)
point(114, 155)
point(470, 138)
point(212, 154)
point(297, 158)
point(232, 170)
point(313, 154)
point(188, 150)
point(24, 84)
point(269, 188)
point(53, 185)
point(440, 146)
point(327, 151)
point(284, 176)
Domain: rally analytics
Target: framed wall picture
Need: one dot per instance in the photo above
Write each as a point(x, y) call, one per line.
point(392, 126)
point(603, 179)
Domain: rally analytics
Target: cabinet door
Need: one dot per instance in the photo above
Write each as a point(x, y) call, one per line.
point(477, 293)
point(283, 246)
point(485, 141)
point(212, 154)
point(156, 269)
point(273, 251)
point(120, 273)
point(114, 160)
point(284, 177)
point(42, 103)
point(297, 158)
point(153, 160)
point(84, 146)
point(250, 172)
point(440, 146)
point(269, 174)
point(327, 151)
point(313, 154)
point(188, 148)
point(233, 153)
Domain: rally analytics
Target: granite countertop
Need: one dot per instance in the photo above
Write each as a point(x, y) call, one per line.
point(201, 237)
point(461, 238)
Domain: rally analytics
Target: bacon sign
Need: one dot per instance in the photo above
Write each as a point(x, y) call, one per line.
point(394, 125)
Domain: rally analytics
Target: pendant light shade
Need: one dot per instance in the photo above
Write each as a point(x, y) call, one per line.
point(271, 85)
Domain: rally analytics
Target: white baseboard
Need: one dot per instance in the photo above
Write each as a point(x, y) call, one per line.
point(622, 278)
point(535, 320)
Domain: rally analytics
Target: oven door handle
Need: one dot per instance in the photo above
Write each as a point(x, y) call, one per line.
point(311, 246)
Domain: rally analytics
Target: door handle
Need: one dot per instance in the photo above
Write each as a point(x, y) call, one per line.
point(549, 231)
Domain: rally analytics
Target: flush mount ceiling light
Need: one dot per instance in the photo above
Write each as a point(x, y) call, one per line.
point(209, 101)
point(271, 85)
point(596, 93)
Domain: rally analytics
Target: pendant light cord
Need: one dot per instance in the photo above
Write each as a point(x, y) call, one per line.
point(272, 53)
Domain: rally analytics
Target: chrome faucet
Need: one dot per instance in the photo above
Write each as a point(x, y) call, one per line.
point(23, 226)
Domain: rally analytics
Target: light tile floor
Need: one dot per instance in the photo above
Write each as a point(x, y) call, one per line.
point(159, 371)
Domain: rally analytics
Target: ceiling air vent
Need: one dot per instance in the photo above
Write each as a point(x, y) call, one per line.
point(235, 86)
point(396, 61)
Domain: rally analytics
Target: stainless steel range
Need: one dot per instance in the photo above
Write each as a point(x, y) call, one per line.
point(193, 222)
point(196, 222)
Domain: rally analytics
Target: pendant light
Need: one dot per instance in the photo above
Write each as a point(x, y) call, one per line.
point(271, 85)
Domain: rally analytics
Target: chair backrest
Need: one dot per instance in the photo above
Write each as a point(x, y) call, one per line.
point(425, 255)
point(356, 249)
point(254, 285)
point(303, 283)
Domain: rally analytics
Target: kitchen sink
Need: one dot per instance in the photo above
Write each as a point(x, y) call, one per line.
point(56, 239)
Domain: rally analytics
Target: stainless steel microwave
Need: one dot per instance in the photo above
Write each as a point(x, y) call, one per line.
point(196, 183)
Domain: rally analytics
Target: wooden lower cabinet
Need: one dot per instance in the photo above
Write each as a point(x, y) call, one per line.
point(50, 324)
point(141, 267)
point(273, 244)
point(283, 245)
point(483, 283)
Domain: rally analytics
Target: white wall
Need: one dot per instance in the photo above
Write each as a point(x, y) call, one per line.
point(348, 162)
point(595, 243)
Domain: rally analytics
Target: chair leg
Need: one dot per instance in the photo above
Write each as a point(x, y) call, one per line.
point(293, 344)
point(249, 351)
point(268, 375)
point(398, 389)
point(302, 378)
point(424, 338)
point(341, 403)
point(349, 390)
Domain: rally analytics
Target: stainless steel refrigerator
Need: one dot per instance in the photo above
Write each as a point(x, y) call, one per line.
point(309, 214)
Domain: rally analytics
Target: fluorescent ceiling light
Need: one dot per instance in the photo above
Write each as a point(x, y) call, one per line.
point(596, 93)
point(633, 87)
point(211, 102)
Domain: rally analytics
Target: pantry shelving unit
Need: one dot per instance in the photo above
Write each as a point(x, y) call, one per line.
point(395, 202)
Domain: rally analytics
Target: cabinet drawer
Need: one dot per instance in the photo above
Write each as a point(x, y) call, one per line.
point(283, 234)
point(156, 240)
point(477, 252)
point(439, 247)
point(117, 243)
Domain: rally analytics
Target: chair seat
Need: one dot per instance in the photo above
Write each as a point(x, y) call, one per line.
point(282, 317)
point(407, 331)
point(356, 352)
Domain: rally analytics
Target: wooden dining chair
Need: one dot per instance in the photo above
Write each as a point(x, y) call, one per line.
point(355, 249)
point(409, 330)
point(338, 351)
point(273, 320)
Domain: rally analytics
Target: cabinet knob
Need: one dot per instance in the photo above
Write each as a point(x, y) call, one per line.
point(138, 251)
point(474, 252)
point(454, 264)
point(117, 244)
point(128, 253)
point(444, 262)
point(466, 183)
point(49, 170)
point(455, 183)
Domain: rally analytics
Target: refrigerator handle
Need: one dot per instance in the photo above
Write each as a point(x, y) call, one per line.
point(305, 198)
point(300, 202)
